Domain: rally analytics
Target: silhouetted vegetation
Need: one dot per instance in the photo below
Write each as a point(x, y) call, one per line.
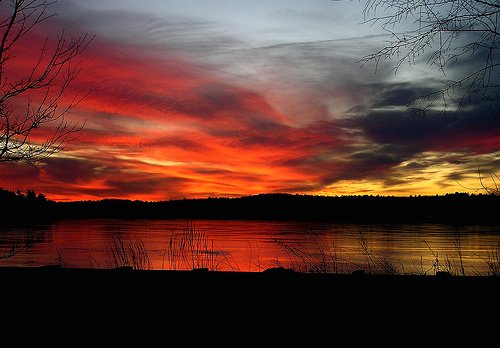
point(22, 207)
point(450, 208)
point(129, 253)
point(447, 33)
point(22, 210)
point(326, 257)
point(193, 250)
point(33, 99)
point(493, 261)
point(11, 247)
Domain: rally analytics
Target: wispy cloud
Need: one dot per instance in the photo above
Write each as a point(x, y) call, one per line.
point(181, 107)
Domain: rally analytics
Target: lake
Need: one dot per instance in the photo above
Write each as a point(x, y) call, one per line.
point(256, 245)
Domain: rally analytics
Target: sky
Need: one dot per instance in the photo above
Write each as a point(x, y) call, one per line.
point(225, 98)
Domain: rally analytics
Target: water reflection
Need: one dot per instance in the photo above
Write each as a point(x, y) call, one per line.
point(257, 245)
point(16, 239)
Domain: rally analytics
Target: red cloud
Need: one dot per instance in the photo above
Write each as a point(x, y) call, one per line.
point(159, 127)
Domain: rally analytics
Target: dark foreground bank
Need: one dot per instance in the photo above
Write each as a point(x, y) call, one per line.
point(100, 306)
point(270, 284)
point(312, 305)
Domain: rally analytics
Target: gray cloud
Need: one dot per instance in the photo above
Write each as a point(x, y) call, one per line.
point(177, 141)
point(474, 130)
point(69, 170)
point(188, 34)
point(418, 165)
point(143, 185)
point(11, 172)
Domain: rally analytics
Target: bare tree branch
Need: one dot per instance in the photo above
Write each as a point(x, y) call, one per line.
point(41, 89)
point(445, 32)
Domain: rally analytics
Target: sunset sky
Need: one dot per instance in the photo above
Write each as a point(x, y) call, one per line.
point(199, 98)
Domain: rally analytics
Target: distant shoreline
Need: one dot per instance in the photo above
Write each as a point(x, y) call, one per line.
point(458, 208)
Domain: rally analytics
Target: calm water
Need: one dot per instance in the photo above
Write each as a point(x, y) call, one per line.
point(256, 245)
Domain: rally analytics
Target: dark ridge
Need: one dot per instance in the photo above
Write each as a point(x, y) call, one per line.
point(450, 208)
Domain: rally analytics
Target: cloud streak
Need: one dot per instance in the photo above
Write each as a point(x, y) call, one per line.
point(181, 108)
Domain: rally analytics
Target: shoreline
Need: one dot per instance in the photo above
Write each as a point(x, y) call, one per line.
point(272, 276)
point(117, 293)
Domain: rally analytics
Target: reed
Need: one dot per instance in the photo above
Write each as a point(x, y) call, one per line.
point(493, 261)
point(324, 257)
point(449, 264)
point(60, 261)
point(192, 249)
point(128, 253)
point(10, 247)
point(374, 262)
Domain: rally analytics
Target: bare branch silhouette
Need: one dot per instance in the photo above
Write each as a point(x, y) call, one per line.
point(445, 32)
point(33, 100)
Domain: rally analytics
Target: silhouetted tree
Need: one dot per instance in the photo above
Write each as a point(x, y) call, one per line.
point(446, 32)
point(22, 209)
point(32, 99)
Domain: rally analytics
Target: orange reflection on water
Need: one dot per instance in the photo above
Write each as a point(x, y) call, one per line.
point(254, 246)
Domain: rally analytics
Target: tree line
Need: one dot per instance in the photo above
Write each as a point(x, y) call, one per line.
point(448, 208)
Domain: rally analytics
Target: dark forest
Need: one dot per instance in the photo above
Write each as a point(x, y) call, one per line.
point(454, 208)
